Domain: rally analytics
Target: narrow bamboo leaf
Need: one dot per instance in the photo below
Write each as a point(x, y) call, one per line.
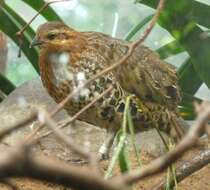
point(5, 85)
point(116, 154)
point(188, 75)
point(138, 27)
point(199, 51)
point(122, 135)
point(170, 49)
point(12, 25)
point(200, 13)
point(189, 35)
point(48, 13)
point(124, 161)
point(188, 100)
point(186, 107)
point(133, 140)
point(187, 114)
point(196, 11)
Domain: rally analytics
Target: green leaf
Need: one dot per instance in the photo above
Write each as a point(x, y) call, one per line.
point(5, 85)
point(170, 49)
point(196, 11)
point(124, 161)
point(186, 107)
point(118, 154)
point(138, 27)
point(189, 81)
point(177, 19)
point(200, 13)
point(133, 139)
point(48, 13)
point(14, 24)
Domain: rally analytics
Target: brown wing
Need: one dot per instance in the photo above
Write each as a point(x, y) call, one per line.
point(150, 78)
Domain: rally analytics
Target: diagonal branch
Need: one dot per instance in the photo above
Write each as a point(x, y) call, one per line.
point(18, 125)
point(19, 162)
point(196, 163)
point(163, 162)
point(20, 33)
point(74, 117)
point(67, 140)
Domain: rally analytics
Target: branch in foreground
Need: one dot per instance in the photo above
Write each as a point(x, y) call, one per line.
point(163, 162)
point(9, 184)
point(18, 125)
point(20, 33)
point(68, 141)
point(18, 162)
point(188, 168)
point(68, 121)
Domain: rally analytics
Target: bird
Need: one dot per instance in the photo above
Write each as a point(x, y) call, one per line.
point(68, 58)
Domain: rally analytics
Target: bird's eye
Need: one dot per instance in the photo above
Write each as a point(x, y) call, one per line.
point(51, 35)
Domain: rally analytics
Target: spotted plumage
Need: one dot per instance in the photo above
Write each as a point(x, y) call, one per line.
point(66, 52)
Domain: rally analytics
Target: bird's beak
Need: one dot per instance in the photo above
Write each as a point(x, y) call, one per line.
point(35, 42)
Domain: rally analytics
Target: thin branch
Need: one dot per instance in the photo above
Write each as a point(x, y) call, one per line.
point(18, 162)
point(61, 136)
point(8, 183)
point(69, 141)
point(163, 162)
point(20, 33)
point(74, 117)
point(208, 129)
point(18, 125)
point(196, 163)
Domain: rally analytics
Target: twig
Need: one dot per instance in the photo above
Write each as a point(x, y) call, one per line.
point(9, 184)
point(123, 60)
point(199, 161)
point(2, 95)
point(74, 117)
point(18, 162)
point(20, 33)
point(208, 129)
point(163, 162)
point(18, 125)
point(67, 140)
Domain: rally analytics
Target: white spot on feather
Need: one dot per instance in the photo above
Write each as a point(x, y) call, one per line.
point(60, 63)
point(81, 76)
point(84, 92)
point(60, 67)
point(64, 58)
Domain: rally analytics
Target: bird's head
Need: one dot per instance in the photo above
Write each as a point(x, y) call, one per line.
point(51, 32)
